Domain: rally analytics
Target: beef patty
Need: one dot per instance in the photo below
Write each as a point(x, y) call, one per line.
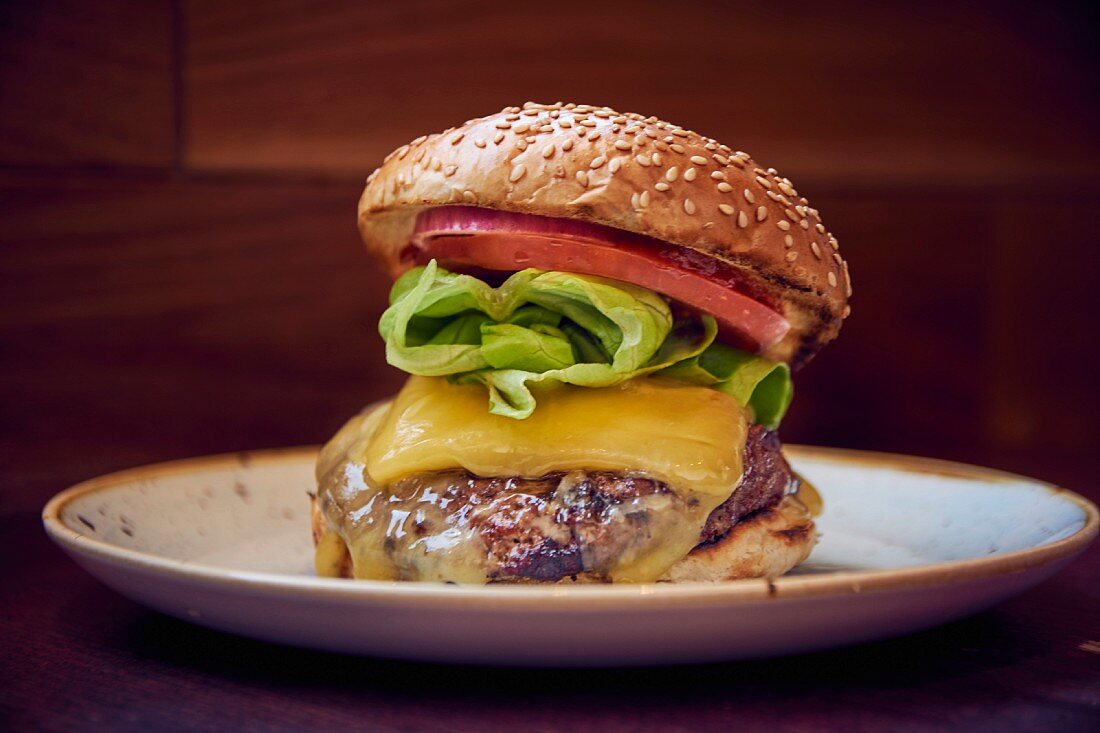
point(564, 524)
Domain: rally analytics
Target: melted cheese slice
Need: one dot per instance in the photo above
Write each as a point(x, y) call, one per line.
point(689, 437)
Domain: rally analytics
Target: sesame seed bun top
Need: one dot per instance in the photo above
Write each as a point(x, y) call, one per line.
point(629, 172)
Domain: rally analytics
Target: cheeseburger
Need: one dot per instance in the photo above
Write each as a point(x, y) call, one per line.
point(599, 313)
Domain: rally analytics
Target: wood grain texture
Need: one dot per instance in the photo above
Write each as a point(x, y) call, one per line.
point(146, 319)
point(87, 83)
point(867, 93)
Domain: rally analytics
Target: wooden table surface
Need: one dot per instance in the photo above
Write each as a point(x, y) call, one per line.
point(79, 657)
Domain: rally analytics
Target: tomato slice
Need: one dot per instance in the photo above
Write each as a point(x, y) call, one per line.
point(684, 275)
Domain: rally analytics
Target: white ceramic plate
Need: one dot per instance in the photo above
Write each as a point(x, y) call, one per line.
point(906, 544)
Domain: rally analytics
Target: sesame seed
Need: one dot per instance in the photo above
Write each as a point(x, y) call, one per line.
point(815, 249)
point(615, 164)
point(620, 120)
point(521, 144)
point(788, 240)
point(546, 128)
point(450, 170)
point(711, 145)
point(655, 158)
point(402, 152)
point(567, 145)
point(783, 224)
point(721, 159)
point(786, 188)
point(517, 173)
point(469, 196)
point(763, 181)
point(718, 175)
point(419, 140)
point(437, 164)
point(792, 256)
point(847, 309)
point(420, 155)
point(641, 160)
point(689, 174)
point(790, 214)
point(497, 138)
point(838, 259)
point(761, 213)
point(582, 178)
point(602, 114)
point(480, 142)
point(644, 199)
point(588, 123)
point(679, 132)
point(457, 138)
point(661, 186)
point(832, 278)
point(660, 145)
point(503, 124)
point(748, 196)
point(634, 204)
point(805, 224)
point(677, 148)
point(597, 162)
point(521, 128)
point(698, 160)
point(742, 219)
point(548, 151)
point(622, 145)
point(689, 206)
point(820, 228)
point(593, 136)
point(776, 197)
point(672, 173)
point(724, 187)
point(565, 123)
point(531, 139)
point(726, 209)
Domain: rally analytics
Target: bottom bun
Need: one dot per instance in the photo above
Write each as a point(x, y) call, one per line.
point(767, 543)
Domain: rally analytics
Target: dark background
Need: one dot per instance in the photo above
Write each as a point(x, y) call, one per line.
point(178, 180)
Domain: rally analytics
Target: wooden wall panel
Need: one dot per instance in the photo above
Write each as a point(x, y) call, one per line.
point(906, 373)
point(148, 319)
point(1043, 362)
point(864, 92)
point(87, 83)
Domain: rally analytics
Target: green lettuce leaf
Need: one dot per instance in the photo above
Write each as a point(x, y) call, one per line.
point(543, 328)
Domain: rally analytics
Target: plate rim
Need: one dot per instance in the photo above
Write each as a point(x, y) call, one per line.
point(506, 598)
